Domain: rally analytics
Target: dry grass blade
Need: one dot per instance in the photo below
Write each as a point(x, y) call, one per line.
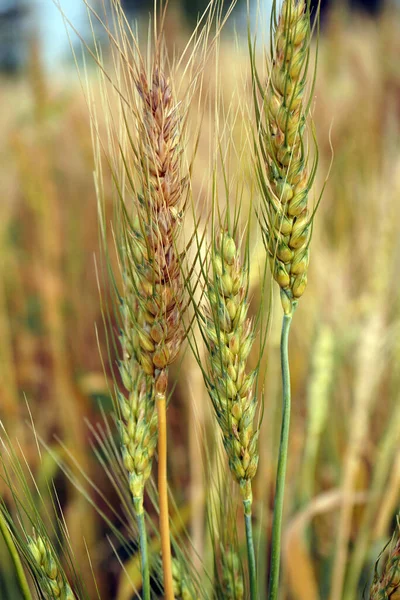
point(303, 584)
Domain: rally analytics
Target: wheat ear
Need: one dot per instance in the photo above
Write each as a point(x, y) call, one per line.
point(286, 219)
point(232, 576)
point(158, 329)
point(285, 181)
point(151, 301)
point(229, 335)
point(53, 583)
point(138, 434)
point(386, 584)
point(183, 588)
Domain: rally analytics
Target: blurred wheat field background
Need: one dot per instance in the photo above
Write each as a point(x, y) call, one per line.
point(343, 484)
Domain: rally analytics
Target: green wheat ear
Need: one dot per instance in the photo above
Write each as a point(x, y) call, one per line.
point(183, 586)
point(34, 528)
point(284, 175)
point(232, 574)
point(230, 335)
point(52, 581)
point(137, 426)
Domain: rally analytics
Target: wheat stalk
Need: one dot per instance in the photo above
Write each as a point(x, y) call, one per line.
point(151, 299)
point(152, 293)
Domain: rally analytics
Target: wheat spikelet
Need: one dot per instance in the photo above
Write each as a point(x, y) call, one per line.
point(386, 585)
point(53, 584)
point(287, 223)
point(230, 336)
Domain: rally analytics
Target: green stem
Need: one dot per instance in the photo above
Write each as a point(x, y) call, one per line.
point(144, 553)
point(19, 570)
point(250, 550)
point(282, 461)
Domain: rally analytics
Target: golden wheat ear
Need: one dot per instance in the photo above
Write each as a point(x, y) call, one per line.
point(284, 174)
point(158, 284)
